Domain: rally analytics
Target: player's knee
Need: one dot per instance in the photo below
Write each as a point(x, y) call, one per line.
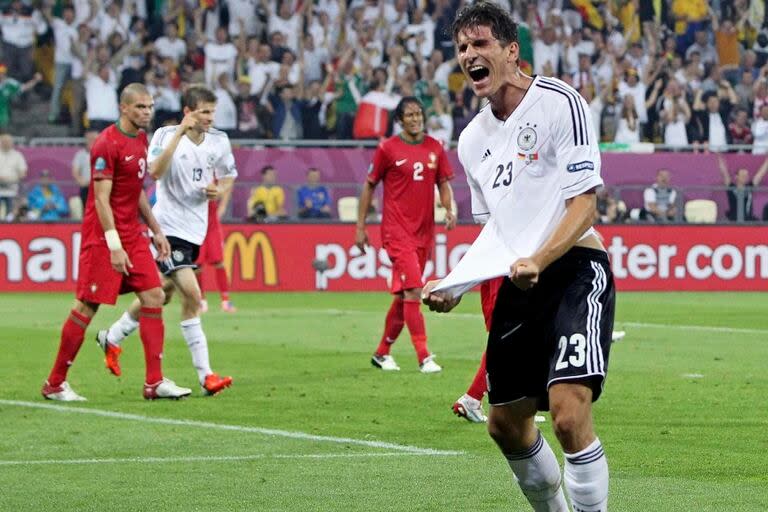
point(565, 424)
point(167, 294)
point(506, 434)
point(153, 298)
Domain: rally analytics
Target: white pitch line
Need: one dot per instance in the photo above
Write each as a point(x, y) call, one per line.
point(208, 458)
point(235, 428)
point(454, 315)
point(710, 328)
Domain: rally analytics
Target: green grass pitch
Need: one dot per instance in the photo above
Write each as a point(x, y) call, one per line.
point(309, 425)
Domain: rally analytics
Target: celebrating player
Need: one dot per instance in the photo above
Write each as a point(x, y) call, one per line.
point(186, 160)
point(114, 253)
point(212, 253)
point(533, 164)
point(410, 165)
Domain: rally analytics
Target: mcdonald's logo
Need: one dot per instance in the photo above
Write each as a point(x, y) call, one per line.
point(247, 250)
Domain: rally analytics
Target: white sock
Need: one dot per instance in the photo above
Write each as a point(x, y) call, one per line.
point(538, 475)
point(192, 330)
point(586, 478)
point(121, 329)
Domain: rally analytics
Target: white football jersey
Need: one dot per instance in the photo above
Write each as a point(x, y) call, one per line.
point(520, 173)
point(181, 207)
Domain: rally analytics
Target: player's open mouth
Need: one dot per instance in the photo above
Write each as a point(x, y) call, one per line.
point(477, 72)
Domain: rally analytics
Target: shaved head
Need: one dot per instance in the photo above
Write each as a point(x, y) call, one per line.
point(131, 92)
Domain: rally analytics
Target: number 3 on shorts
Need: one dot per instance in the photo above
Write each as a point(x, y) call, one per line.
point(578, 358)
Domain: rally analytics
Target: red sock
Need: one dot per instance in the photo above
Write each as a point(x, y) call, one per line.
point(152, 332)
point(199, 275)
point(223, 282)
point(393, 324)
point(479, 384)
point(72, 335)
point(415, 322)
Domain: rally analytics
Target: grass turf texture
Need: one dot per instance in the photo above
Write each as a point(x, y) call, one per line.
point(683, 420)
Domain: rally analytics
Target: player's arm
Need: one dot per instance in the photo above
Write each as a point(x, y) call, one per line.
point(223, 194)
point(161, 162)
point(158, 240)
point(579, 216)
point(363, 205)
point(102, 191)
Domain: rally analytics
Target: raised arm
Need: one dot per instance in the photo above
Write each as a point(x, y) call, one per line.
point(760, 174)
point(723, 168)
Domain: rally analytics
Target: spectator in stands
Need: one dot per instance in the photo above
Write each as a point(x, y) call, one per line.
point(170, 45)
point(349, 90)
point(634, 86)
point(740, 187)
point(10, 88)
point(20, 25)
point(709, 120)
point(313, 200)
point(439, 122)
point(659, 200)
point(13, 169)
point(225, 115)
point(220, 54)
point(81, 165)
point(739, 129)
point(64, 37)
point(313, 111)
point(674, 114)
point(607, 211)
point(167, 99)
point(46, 202)
point(267, 201)
point(760, 132)
point(286, 109)
point(79, 62)
point(628, 128)
point(250, 111)
point(100, 94)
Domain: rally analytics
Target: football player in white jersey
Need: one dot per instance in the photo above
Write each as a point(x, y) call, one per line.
point(193, 164)
point(532, 161)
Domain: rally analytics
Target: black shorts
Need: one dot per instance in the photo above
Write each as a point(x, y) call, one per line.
point(183, 254)
point(558, 331)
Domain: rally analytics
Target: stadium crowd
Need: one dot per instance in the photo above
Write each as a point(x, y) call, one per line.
point(677, 72)
point(674, 72)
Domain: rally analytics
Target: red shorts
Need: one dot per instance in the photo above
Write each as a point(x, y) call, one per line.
point(99, 283)
point(212, 249)
point(489, 290)
point(407, 267)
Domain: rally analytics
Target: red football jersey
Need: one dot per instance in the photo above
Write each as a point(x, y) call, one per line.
point(121, 158)
point(409, 173)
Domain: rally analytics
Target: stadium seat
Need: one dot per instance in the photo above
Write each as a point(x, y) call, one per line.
point(75, 208)
point(347, 208)
point(701, 211)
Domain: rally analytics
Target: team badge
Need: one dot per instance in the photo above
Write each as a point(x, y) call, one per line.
point(99, 165)
point(432, 161)
point(177, 255)
point(94, 287)
point(211, 160)
point(527, 138)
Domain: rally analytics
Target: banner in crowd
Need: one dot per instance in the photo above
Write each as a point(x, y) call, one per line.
point(304, 257)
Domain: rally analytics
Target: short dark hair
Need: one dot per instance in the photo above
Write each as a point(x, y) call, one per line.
point(407, 100)
point(197, 94)
point(486, 14)
point(266, 169)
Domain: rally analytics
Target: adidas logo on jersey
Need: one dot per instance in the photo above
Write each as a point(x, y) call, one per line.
point(485, 155)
